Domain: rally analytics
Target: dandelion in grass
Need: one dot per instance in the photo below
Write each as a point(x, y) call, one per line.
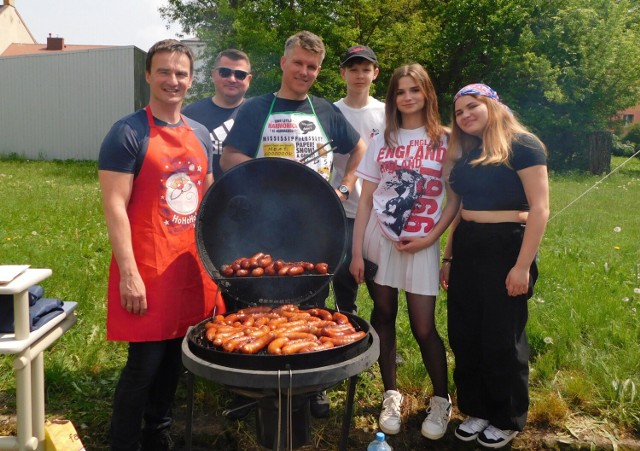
point(548, 340)
point(606, 266)
point(636, 290)
point(34, 233)
point(616, 248)
point(625, 299)
point(617, 229)
point(633, 310)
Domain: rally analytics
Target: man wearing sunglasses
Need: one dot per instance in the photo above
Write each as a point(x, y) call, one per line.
point(231, 77)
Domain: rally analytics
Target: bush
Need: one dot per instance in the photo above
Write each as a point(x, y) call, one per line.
point(633, 134)
point(622, 148)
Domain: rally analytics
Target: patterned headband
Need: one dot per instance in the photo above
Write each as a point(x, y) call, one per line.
point(477, 89)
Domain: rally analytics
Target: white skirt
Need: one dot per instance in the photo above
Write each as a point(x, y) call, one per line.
point(415, 273)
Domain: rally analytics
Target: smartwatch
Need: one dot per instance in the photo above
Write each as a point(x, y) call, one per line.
point(344, 191)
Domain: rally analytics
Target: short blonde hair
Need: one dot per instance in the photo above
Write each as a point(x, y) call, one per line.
point(306, 40)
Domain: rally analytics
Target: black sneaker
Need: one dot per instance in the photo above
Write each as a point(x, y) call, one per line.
point(319, 405)
point(495, 438)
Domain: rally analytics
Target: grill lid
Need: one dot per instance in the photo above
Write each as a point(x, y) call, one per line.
point(279, 207)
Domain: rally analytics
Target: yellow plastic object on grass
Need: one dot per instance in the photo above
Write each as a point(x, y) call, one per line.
point(61, 436)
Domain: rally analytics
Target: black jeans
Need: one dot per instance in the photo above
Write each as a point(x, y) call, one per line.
point(345, 287)
point(146, 390)
point(487, 326)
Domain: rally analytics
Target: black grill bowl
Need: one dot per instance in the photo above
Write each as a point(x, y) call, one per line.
point(279, 207)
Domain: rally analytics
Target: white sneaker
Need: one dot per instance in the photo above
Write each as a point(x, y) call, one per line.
point(492, 437)
point(390, 416)
point(438, 415)
point(470, 428)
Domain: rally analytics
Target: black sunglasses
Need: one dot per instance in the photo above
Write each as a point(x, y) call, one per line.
point(225, 72)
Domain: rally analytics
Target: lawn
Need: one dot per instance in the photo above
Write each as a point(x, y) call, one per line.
point(584, 326)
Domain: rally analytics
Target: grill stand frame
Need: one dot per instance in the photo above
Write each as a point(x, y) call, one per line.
point(321, 377)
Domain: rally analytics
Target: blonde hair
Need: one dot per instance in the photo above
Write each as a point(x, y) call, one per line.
point(430, 113)
point(307, 41)
point(502, 129)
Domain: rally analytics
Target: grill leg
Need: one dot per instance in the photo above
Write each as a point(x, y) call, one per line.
point(348, 413)
point(189, 419)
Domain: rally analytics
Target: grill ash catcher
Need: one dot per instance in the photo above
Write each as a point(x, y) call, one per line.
point(279, 207)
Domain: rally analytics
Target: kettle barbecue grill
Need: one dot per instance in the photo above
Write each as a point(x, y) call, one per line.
point(285, 209)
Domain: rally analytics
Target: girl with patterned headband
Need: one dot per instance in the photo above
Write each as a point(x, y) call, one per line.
point(500, 175)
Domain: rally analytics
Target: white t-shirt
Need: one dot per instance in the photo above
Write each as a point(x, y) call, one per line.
point(410, 193)
point(369, 122)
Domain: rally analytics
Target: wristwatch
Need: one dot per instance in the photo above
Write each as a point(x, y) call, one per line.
point(344, 191)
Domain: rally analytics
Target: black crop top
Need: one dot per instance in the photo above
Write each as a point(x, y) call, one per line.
point(496, 187)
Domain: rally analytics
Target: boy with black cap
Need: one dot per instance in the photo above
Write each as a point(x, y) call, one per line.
point(358, 68)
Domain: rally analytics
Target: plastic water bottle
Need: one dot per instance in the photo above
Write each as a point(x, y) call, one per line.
point(379, 444)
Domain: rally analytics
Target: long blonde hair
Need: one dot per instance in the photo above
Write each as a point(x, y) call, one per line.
point(502, 129)
point(430, 113)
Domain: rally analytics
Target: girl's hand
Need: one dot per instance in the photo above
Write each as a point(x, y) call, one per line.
point(356, 268)
point(444, 275)
point(412, 244)
point(517, 282)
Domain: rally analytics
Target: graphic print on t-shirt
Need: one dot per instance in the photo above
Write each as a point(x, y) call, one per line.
point(410, 192)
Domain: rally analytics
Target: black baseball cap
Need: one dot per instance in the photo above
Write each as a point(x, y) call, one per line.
point(359, 51)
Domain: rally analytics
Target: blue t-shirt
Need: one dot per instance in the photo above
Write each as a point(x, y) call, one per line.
point(125, 146)
point(496, 187)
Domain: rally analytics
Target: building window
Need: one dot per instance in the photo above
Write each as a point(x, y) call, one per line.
point(627, 119)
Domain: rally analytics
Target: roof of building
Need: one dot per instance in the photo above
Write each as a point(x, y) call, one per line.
point(33, 49)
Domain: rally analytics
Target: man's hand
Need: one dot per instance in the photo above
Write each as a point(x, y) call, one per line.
point(133, 295)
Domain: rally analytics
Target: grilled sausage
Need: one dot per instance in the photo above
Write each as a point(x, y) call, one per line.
point(265, 261)
point(295, 346)
point(284, 270)
point(340, 318)
point(257, 271)
point(233, 343)
point(270, 270)
point(258, 344)
point(226, 270)
point(322, 268)
point(254, 309)
point(345, 339)
point(295, 270)
point(338, 331)
point(275, 347)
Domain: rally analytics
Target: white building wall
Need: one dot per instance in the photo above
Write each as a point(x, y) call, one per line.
point(61, 105)
point(12, 29)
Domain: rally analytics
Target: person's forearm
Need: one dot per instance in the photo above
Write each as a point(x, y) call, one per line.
point(355, 156)
point(534, 230)
point(119, 230)
point(232, 157)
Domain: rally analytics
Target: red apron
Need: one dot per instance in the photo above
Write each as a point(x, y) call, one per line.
point(162, 210)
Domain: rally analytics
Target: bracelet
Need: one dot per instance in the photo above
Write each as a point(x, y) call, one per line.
point(447, 260)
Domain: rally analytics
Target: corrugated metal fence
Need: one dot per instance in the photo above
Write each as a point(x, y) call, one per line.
point(61, 105)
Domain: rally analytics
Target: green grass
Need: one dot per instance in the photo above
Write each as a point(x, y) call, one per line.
point(584, 326)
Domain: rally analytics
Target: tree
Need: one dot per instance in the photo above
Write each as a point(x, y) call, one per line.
point(395, 30)
point(565, 68)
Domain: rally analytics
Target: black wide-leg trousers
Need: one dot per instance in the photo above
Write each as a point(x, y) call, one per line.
point(487, 326)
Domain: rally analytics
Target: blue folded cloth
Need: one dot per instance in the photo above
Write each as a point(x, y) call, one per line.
point(41, 310)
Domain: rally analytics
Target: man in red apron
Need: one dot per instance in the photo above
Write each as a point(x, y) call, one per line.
point(154, 168)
